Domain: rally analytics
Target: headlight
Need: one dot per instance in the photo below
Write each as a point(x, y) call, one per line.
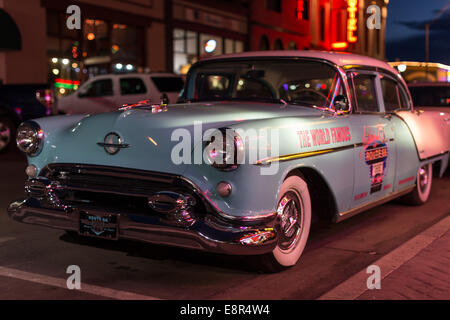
point(30, 138)
point(224, 150)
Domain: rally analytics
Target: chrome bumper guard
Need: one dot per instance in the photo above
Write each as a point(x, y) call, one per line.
point(208, 231)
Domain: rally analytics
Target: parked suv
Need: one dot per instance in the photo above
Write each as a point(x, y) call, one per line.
point(109, 92)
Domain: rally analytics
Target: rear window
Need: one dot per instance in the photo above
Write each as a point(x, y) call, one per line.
point(168, 84)
point(431, 96)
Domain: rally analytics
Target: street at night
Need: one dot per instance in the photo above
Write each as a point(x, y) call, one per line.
point(334, 253)
point(236, 159)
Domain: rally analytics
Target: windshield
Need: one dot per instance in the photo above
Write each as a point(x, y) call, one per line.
point(431, 96)
point(293, 81)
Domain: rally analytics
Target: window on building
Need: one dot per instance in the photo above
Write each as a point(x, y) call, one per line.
point(100, 47)
point(322, 23)
point(365, 94)
point(189, 46)
point(273, 5)
point(264, 43)
point(302, 10)
point(278, 45)
point(132, 86)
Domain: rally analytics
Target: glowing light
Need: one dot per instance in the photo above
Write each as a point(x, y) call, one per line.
point(292, 87)
point(352, 22)
point(62, 90)
point(119, 66)
point(307, 85)
point(54, 60)
point(339, 45)
point(90, 36)
point(129, 67)
point(210, 45)
point(65, 61)
point(401, 67)
point(115, 48)
point(241, 82)
point(55, 71)
point(74, 65)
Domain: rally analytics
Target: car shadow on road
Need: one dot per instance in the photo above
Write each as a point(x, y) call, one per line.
point(240, 264)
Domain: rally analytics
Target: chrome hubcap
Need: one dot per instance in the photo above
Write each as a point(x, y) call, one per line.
point(423, 178)
point(291, 219)
point(5, 135)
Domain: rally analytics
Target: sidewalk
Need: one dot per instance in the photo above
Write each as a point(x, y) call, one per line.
point(418, 269)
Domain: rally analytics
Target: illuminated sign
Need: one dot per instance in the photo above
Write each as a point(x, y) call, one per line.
point(352, 22)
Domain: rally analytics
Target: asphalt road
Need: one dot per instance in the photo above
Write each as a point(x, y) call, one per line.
point(36, 258)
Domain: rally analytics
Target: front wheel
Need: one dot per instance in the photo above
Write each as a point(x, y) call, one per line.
point(293, 224)
point(422, 190)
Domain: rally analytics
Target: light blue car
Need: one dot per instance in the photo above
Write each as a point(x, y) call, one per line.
point(260, 145)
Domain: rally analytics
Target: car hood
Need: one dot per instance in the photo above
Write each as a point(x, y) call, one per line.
point(152, 132)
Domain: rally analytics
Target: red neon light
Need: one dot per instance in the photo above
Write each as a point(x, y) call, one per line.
point(299, 9)
point(339, 45)
point(352, 22)
point(67, 81)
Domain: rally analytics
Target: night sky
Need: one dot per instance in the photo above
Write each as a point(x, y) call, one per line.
point(405, 33)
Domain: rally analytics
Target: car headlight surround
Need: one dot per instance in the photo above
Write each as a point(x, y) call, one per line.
point(227, 153)
point(30, 138)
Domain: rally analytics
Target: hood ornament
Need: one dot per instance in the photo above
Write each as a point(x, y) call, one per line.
point(113, 143)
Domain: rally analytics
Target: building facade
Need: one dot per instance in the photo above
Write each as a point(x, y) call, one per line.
point(169, 35)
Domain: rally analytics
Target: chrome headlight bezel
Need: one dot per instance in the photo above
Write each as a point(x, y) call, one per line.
point(230, 153)
point(30, 138)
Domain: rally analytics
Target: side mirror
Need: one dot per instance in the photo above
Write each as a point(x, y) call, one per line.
point(164, 98)
point(340, 103)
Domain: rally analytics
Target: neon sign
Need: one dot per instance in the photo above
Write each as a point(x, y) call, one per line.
point(352, 22)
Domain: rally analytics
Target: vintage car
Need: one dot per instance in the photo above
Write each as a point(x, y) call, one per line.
point(260, 145)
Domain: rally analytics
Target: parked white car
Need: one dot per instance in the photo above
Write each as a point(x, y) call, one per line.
point(108, 92)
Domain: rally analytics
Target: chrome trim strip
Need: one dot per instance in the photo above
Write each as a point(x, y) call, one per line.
point(294, 156)
point(352, 212)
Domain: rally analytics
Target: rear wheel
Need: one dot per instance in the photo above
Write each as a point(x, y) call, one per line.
point(422, 190)
point(7, 133)
point(294, 221)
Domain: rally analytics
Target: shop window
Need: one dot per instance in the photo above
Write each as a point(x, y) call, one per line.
point(302, 10)
point(239, 46)
point(278, 45)
point(132, 86)
point(264, 43)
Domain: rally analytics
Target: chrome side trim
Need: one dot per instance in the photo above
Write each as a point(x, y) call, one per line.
point(294, 156)
point(352, 212)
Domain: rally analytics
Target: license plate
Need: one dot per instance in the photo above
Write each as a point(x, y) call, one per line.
point(99, 225)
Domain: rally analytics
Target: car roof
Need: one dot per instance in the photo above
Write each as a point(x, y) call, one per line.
point(429, 84)
point(338, 58)
point(135, 74)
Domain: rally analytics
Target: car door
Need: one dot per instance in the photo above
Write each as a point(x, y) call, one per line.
point(131, 90)
point(374, 162)
point(95, 96)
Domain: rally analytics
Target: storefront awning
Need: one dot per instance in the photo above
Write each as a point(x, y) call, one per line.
point(10, 38)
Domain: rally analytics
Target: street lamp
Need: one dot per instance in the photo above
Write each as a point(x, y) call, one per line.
point(427, 34)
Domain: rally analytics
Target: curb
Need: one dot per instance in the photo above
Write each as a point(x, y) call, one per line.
point(356, 285)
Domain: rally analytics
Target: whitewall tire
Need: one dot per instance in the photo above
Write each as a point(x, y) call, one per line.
point(293, 224)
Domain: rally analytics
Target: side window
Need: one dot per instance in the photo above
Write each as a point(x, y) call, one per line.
point(132, 86)
point(391, 96)
point(98, 88)
point(365, 94)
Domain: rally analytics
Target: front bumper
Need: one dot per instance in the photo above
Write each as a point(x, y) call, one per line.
point(208, 231)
